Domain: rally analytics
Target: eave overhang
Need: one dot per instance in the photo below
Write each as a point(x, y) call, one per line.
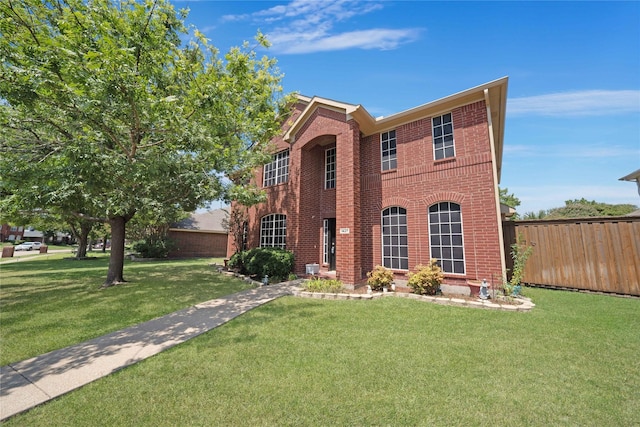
point(633, 176)
point(494, 92)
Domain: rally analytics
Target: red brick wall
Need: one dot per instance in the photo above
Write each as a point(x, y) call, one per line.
point(420, 181)
point(190, 244)
point(362, 191)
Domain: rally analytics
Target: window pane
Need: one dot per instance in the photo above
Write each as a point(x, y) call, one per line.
point(442, 137)
point(445, 243)
point(448, 152)
point(394, 237)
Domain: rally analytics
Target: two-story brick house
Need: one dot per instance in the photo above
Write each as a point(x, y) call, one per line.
point(349, 191)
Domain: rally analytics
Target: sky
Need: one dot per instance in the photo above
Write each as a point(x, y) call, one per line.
point(573, 105)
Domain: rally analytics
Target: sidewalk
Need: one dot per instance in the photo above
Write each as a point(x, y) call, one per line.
point(31, 382)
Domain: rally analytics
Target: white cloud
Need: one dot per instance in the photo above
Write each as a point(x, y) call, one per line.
point(305, 26)
point(382, 39)
point(581, 103)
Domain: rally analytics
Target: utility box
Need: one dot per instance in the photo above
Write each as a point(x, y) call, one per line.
point(313, 268)
point(7, 251)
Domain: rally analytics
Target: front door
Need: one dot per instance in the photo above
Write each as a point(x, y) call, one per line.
point(330, 242)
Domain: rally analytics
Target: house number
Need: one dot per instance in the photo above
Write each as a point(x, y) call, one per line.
point(345, 231)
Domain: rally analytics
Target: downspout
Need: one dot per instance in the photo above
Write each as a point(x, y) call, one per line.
point(494, 168)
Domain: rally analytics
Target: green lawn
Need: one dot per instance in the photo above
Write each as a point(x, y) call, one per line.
point(572, 360)
point(48, 303)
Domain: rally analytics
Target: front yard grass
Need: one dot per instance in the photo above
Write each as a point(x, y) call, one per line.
point(572, 360)
point(50, 303)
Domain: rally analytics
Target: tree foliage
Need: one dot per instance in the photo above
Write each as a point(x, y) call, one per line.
point(106, 113)
point(508, 199)
point(582, 208)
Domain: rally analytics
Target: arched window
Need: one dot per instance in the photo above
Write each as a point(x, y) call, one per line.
point(273, 231)
point(395, 247)
point(445, 236)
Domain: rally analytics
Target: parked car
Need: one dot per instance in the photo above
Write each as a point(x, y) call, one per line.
point(28, 246)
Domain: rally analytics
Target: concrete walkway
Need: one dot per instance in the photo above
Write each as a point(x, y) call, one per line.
point(31, 382)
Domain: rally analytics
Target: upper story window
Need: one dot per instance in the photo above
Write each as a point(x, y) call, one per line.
point(388, 146)
point(395, 245)
point(330, 168)
point(276, 171)
point(273, 231)
point(443, 136)
point(445, 236)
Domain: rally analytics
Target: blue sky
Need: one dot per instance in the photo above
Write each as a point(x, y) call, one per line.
point(573, 109)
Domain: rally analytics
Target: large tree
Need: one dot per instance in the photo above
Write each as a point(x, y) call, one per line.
point(111, 109)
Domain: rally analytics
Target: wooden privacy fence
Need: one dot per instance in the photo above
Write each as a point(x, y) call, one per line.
point(597, 254)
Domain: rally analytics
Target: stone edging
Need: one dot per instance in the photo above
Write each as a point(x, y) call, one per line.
point(525, 303)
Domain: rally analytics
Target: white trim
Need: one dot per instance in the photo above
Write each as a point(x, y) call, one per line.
point(398, 235)
point(433, 137)
point(496, 188)
point(335, 167)
point(395, 141)
point(464, 255)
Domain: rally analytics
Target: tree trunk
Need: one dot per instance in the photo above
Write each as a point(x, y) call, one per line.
point(116, 259)
point(104, 243)
point(82, 236)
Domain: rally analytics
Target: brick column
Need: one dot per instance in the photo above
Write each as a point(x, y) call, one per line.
point(348, 262)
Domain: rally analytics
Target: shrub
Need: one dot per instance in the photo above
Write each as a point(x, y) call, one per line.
point(236, 262)
point(427, 278)
point(153, 248)
point(331, 286)
point(272, 262)
point(520, 253)
point(379, 277)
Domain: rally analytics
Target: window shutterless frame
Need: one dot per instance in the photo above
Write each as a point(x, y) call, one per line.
point(446, 239)
point(388, 150)
point(330, 168)
point(443, 143)
point(395, 240)
point(276, 171)
point(273, 231)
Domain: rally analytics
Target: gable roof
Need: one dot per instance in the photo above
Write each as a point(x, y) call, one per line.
point(493, 93)
point(204, 221)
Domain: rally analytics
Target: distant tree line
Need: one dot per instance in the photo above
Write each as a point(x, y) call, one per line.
point(577, 208)
point(581, 208)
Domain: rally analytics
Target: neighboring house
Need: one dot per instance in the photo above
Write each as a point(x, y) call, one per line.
point(349, 191)
point(200, 235)
point(31, 235)
point(11, 233)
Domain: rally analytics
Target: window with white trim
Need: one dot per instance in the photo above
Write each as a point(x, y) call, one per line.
point(445, 236)
point(443, 136)
point(330, 168)
point(276, 171)
point(273, 231)
point(395, 245)
point(325, 241)
point(388, 148)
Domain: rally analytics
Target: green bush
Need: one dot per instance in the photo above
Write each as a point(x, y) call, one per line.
point(272, 262)
point(153, 248)
point(236, 262)
point(379, 277)
point(332, 286)
point(427, 278)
